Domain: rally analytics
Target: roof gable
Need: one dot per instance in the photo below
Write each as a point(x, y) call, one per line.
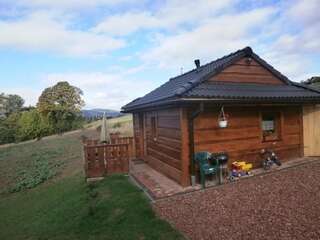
point(247, 70)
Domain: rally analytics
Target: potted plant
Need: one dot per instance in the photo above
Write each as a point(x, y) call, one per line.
point(222, 119)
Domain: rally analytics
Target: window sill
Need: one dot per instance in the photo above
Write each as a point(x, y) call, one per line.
point(276, 139)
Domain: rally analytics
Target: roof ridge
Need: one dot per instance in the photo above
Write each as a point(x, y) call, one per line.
point(246, 49)
point(190, 84)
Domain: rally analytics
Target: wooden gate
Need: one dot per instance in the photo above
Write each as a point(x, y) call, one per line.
point(103, 159)
point(311, 130)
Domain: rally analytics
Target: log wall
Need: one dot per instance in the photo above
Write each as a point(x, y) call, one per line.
point(163, 152)
point(242, 139)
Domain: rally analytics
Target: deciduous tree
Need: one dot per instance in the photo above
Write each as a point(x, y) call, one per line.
point(61, 104)
point(14, 103)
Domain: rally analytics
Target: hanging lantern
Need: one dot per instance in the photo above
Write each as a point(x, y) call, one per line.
point(222, 119)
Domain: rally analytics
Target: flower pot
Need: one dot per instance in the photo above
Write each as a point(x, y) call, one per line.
point(223, 123)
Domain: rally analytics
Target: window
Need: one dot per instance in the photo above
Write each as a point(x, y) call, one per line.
point(270, 125)
point(154, 128)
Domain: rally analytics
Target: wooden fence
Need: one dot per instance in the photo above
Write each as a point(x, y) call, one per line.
point(102, 159)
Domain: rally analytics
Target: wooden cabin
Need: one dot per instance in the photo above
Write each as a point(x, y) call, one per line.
point(263, 109)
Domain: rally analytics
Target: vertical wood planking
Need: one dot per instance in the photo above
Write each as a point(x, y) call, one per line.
point(102, 159)
point(185, 153)
point(308, 133)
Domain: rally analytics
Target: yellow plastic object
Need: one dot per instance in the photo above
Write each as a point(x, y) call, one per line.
point(241, 164)
point(247, 167)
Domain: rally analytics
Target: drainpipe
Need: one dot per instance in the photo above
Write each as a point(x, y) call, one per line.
point(192, 117)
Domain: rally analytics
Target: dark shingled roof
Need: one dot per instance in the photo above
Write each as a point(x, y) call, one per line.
point(249, 91)
point(192, 85)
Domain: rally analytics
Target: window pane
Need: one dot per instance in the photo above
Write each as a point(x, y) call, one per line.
point(268, 125)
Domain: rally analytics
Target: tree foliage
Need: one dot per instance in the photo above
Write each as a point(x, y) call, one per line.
point(62, 97)
point(13, 104)
point(61, 105)
point(313, 81)
point(9, 128)
point(58, 110)
point(32, 125)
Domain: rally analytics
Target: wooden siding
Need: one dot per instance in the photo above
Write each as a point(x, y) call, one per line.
point(241, 72)
point(137, 134)
point(185, 154)
point(311, 130)
point(242, 139)
point(164, 151)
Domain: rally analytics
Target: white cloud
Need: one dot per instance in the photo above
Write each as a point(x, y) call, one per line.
point(127, 23)
point(178, 31)
point(304, 11)
point(169, 16)
point(296, 34)
point(104, 90)
point(46, 31)
point(65, 4)
point(29, 94)
point(211, 39)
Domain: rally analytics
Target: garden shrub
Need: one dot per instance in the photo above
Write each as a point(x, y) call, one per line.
point(41, 170)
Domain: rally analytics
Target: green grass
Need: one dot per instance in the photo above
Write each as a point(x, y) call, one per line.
point(27, 165)
point(55, 202)
point(73, 209)
point(123, 124)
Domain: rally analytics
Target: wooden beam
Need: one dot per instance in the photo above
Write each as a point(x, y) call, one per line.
point(301, 132)
point(185, 156)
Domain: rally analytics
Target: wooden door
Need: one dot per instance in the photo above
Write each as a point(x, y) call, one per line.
point(311, 130)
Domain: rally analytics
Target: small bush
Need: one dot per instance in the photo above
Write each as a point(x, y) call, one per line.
point(41, 170)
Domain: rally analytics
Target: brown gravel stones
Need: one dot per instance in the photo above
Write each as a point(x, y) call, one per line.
point(281, 205)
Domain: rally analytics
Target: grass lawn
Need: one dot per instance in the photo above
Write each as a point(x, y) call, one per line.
point(53, 201)
point(73, 209)
point(27, 165)
point(123, 124)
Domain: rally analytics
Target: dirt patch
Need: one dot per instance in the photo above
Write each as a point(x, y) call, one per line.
point(280, 205)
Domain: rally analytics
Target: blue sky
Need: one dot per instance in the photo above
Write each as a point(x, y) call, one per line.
point(117, 50)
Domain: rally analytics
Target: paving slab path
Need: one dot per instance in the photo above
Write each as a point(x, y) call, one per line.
point(284, 204)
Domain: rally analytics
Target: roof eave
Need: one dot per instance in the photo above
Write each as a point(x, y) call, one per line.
point(175, 102)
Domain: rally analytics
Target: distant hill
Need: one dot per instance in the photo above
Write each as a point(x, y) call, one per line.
point(98, 113)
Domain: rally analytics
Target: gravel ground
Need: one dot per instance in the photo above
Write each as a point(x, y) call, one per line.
point(281, 205)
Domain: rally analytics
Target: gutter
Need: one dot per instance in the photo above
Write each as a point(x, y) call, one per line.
point(275, 100)
point(191, 119)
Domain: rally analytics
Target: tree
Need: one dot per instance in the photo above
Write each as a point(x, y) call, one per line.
point(3, 100)
point(9, 128)
point(313, 81)
point(32, 125)
point(61, 97)
point(13, 104)
point(61, 104)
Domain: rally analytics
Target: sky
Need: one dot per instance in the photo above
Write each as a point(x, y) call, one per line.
point(118, 50)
